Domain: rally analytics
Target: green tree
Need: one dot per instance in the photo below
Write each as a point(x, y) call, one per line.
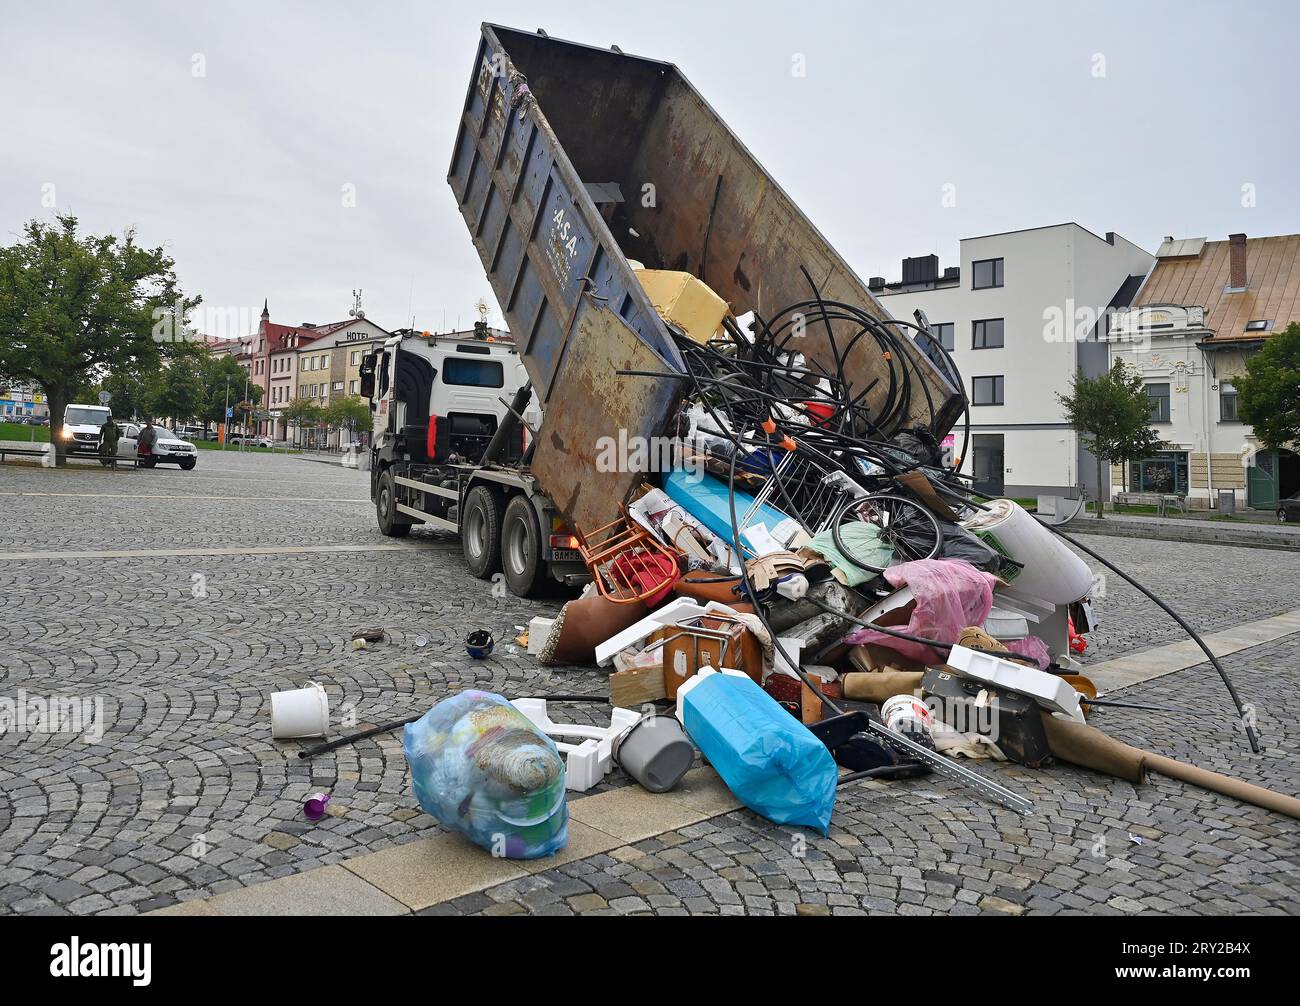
point(1268, 397)
point(73, 308)
point(302, 412)
point(1112, 415)
point(177, 388)
point(348, 412)
point(129, 389)
point(223, 379)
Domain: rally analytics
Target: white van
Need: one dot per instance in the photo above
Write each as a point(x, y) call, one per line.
point(81, 425)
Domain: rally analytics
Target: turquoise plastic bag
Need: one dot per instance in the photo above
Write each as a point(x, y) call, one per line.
point(767, 758)
point(479, 766)
point(707, 500)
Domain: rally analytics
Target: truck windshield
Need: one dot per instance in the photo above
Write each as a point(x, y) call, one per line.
point(84, 416)
point(477, 373)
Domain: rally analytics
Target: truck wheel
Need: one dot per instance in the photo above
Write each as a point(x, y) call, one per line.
point(480, 532)
point(521, 548)
point(386, 508)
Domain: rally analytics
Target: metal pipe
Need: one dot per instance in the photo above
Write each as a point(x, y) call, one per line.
point(509, 423)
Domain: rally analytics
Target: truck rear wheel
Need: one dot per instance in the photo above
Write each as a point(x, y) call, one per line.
point(521, 548)
point(480, 532)
point(386, 508)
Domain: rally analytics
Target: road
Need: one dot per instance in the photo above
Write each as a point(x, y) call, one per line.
point(179, 601)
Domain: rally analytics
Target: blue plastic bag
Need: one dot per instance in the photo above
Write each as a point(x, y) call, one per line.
point(481, 767)
point(767, 758)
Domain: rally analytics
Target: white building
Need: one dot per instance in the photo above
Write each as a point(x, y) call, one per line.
point(1206, 307)
point(1019, 316)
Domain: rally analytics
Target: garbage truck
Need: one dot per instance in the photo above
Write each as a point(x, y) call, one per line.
point(574, 166)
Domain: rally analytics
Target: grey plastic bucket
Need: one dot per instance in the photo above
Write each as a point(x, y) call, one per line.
point(655, 752)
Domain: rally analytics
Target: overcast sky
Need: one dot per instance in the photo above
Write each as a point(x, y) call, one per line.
point(228, 131)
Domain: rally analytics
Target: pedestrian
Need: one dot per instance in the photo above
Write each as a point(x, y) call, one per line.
point(108, 437)
point(144, 443)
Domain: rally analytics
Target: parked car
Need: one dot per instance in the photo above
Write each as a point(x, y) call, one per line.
point(1289, 509)
point(190, 433)
point(251, 441)
point(168, 448)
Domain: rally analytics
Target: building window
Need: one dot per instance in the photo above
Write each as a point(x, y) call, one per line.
point(941, 334)
point(354, 387)
point(355, 357)
point(338, 385)
point(1258, 326)
point(1158, 397)
point(987, 273)
point(1227, 402)
point(988, 390)
point(987, 334)
point(324, 361)
point(1163, 472)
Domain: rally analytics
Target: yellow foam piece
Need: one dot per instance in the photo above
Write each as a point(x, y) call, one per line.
point(685, 301)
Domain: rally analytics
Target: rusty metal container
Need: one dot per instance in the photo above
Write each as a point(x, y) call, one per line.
point(571, 159)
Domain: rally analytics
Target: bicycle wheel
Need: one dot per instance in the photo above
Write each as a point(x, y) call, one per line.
point(907, 527)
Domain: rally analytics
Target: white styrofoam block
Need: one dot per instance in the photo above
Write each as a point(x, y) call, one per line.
point(539, 630)
point(1048, 690)
point(791, 646)
point(586, 762)
point(674, 611)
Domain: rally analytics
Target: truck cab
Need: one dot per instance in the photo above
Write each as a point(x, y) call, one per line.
point(450, 444)
point(439, 398)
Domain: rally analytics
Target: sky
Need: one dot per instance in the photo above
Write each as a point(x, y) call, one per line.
point(295, 152)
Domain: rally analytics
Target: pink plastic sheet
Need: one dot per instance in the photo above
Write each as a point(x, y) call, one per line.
point(950, 595)
point(1033, 647)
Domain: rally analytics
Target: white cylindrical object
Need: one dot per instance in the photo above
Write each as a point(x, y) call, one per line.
point(1051, 571)
point(301, 712)
point(906, 713)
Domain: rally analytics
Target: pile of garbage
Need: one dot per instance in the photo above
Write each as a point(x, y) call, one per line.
point(809, 593)
point(821, 602)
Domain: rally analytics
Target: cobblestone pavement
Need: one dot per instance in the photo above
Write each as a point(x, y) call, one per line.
point(185, 796)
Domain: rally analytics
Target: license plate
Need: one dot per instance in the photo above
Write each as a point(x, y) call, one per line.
point(566, 555)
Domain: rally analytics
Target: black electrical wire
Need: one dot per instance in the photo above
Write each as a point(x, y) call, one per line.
point(1250, 731)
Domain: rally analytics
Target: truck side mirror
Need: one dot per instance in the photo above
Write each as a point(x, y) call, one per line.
point(368, 376)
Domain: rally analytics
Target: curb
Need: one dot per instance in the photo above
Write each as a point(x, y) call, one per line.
point(1219, 534)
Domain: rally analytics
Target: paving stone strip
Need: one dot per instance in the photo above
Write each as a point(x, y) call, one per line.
point(422, 874)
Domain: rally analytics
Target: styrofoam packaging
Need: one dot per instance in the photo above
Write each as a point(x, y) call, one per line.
point(1051, 571)
point(539, 631)
point(300, 712)
point(1048, 690)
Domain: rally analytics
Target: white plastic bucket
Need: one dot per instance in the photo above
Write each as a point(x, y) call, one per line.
point(907, 714)
point(302, 712)
point(1051, 571)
